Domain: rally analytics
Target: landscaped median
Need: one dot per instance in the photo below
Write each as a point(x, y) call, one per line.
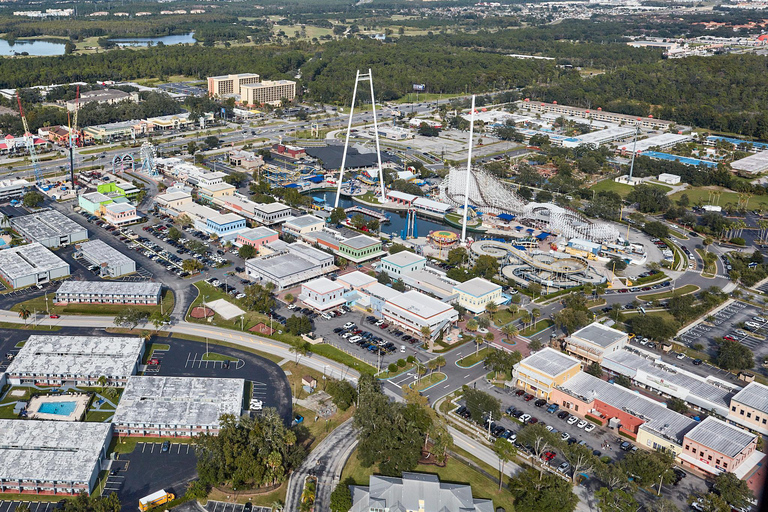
point(537, 327)
point(428, 381)
point(473, 359)
point(683, 290)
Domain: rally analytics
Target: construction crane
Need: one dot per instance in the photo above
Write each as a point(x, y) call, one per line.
point(29, 140)
point(73, 141)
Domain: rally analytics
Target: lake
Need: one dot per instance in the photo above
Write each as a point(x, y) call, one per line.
point(32, 47)
point(166, 40)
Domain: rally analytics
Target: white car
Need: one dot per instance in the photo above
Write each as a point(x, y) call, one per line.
point(355, 339)
point(681, 356)
point(512, 438)
point(348, 325)
point(240, 296)
point(291, 306)
point(565, 436)
point(326, 316)
point(402, 349)
point(524, 418)
point(346, 335)
point(572, 419)
point(564, 467)
point(589, 428)
point(550, 428)
point(581, 424)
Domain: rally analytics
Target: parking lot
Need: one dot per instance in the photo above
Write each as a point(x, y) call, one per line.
point(220, 506)
point(147, 468)
point(738, 321)
point(34, 506)
point(325, 329)
point(604, 440)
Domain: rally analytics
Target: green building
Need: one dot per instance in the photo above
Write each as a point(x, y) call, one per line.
point(119, 188)
point(360, 248)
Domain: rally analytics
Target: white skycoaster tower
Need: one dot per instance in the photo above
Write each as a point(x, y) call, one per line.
point(362, 78)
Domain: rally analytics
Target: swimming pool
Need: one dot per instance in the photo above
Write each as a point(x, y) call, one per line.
point(59, 408)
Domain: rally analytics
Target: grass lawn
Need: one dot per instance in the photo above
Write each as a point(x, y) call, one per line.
point(39, 304)
point(610, 185)
point(128, 444)
point(212, 293)
point(429, 380)
point(473, 358)
point(369, 197)
point(213, 356)
point(99, 416)
point(6, 412)
point(455, 471)
point(29, 327)
point(318, 429)
point(683, 290)
point(505, 316)
point(537, 327)
point(386, 374)
point(661, 314)
point(696, 194)
point(337, 355)
point(264, 500)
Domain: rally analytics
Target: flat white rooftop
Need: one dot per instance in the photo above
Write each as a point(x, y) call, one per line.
point(599, 334)
point(257, 233)
point(403, 259)
point(110, 288)
point(360, 242)
point(50, 451)
point(271, 207)
point(550, 362)
point(419, 304)
point(53, 355)
point(477, 287)
point(304, 221)
point(721, 437)
point(356, 279)
point(16, 262)
point(753, 163)
point(179, 401)
point(99, 252)
point(323, 285)
point(45, 224)
point(664, 140)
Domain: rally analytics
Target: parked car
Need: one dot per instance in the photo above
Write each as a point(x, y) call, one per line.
point(589, 428)
point(572, 420)
point(564, 467)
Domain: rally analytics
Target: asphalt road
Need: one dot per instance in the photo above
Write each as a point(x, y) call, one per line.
point(325, 462)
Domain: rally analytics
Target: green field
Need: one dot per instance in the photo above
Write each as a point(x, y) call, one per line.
point(429, 380)
point(701, 194)
point(473, 358)
point(620, 188)
point(537, 327)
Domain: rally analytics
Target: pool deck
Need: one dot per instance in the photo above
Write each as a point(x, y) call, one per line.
point(76, 415)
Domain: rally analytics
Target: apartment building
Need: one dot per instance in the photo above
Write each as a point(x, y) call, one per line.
point(220, 86)
point(268, 92)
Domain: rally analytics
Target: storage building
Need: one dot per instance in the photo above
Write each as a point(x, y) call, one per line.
point(112, 262)
point(28, 265)
point(49, 228)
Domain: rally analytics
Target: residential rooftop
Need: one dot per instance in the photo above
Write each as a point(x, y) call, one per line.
point(754, 395)
point(110, 287)
point(49, 354)
point(477, 287)
point(721, 437)
point(179, 401)
point(599, 334)
point(21, 261)
point(45, 224)
point(50, 451)
point(550, 362)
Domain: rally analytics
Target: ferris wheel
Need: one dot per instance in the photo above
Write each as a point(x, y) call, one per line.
point(148, 158)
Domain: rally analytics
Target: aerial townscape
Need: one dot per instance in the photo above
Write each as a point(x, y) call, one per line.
point(383, 255)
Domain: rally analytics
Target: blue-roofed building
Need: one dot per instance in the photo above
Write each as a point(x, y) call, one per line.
point(756, 146)
point(543, 236)
point(656, 155)
point(226, 226)
point(506, 217)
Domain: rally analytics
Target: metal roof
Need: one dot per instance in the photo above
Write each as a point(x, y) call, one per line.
point(550, 362)
point(753, 163)
point(303, 221)
point(98, 252)
point(323, 285)
point(110, 287)
point(419, 304)
point(46, 224)
point(256, 233)
point(754, 395)
point(403, 258)
point(599, 334)
point(721, 437)
point(17, 262)
point(360, 242)
point(655, 414)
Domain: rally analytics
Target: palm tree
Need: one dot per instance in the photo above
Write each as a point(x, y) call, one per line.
point(491, 308)
point(431, 365)
point(535, 313)
point(24, 313)
point(509, 331)
point(440, 361)
point(102, 382)
point(478, 341)
point(426, 334)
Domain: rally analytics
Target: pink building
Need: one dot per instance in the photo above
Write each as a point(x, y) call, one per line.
point(119, 214)
point(715, 446)
point(256, 237)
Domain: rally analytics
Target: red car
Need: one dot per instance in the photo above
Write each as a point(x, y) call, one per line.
point(533, 421)
point(519, 392)
point(54, 316)
point(729, 338)
point(383, 326)
point(528, 397)
point(548, 456)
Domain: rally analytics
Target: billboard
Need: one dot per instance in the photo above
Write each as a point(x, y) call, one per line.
point(419, 87)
